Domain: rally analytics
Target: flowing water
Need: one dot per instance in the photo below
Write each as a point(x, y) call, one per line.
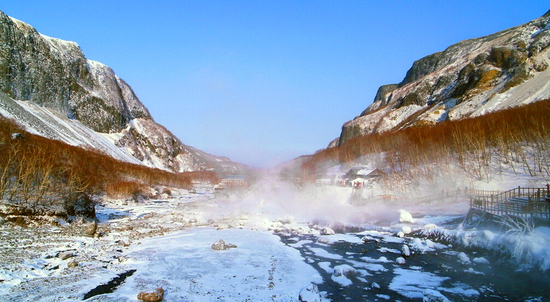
point(367, 270)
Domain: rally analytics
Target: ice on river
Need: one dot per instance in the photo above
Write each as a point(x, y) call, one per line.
point(185, 265)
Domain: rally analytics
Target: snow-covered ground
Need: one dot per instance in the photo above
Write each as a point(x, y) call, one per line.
point(285, 249)
point(167, 243)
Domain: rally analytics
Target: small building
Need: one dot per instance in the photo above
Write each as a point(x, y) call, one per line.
point(364, 173)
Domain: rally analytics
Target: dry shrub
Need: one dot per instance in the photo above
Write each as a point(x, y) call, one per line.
point(124, 189)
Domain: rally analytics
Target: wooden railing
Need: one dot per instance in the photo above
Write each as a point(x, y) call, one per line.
point(519, 202)
point(441, 196)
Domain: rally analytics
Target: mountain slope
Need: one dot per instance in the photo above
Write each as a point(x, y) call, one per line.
point(52, 89)
point(468, 79)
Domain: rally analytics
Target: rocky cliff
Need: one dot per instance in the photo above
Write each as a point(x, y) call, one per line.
point(51, 88)
point(470, 78)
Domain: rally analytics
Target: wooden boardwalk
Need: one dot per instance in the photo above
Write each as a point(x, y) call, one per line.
point(518, 203)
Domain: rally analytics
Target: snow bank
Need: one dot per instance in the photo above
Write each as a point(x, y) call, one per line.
point(529, 250)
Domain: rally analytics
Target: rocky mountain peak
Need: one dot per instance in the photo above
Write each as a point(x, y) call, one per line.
point(469, 78)
point(51, 88)
point(55, 74)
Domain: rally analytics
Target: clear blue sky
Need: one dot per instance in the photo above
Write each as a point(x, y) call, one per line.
point(264, 81)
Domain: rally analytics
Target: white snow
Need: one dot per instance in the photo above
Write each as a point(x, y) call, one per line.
point(186, 266)
point(412, 283)
point(48, 123)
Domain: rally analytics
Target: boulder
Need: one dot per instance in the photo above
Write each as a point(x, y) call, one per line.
point(220, 245)
point(84, 206)
point(405, 216)
point(327, 231)
point(405, 250)
point(154, 296)
point(80, 206)
point(65, 255)
point(90, 229)
point(344, 270)
point(72, 264)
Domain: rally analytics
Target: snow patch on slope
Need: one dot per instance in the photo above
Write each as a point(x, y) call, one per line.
point(50, 124)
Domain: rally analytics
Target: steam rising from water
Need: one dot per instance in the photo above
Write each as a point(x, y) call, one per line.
point(324, 205)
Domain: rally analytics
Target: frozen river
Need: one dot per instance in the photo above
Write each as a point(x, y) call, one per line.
point(278, 257)
point(370, 266)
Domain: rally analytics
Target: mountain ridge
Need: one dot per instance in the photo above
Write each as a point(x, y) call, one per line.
point(49, 86)
point(478, 75)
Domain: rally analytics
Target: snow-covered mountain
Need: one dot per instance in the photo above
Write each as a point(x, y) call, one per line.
point(468, 79)
point(49, 87)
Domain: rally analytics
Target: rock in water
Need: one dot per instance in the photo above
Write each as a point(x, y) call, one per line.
point(218, 245)
point(310, 294)
point(405, 250)
point(155, 296)
point(327, 231)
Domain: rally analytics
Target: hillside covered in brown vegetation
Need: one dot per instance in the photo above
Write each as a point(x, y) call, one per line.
point(43, 176)
point(516, 139)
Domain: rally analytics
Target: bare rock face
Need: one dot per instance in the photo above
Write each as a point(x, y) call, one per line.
point(154, 296)
point(56, 74)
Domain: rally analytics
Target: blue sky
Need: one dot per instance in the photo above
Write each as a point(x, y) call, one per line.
point(261, 81)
